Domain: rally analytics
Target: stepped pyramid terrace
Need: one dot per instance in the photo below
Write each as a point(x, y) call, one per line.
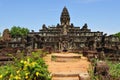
point(67, 37)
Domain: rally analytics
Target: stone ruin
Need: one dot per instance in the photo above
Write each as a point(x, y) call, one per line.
point(101, 69)
point(6, 35)
point(7, 49)
point(65, 37)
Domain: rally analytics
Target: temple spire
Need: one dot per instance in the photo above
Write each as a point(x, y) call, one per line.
point(65, 18)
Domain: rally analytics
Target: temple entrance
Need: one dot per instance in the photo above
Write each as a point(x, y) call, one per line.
point(65, 46)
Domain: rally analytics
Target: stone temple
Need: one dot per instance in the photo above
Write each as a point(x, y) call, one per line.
point(66, 36)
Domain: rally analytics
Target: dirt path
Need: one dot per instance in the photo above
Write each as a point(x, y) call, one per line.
point(66, 65)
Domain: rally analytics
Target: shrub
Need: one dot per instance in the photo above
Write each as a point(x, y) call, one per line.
point(114, 70)
point(27, 68)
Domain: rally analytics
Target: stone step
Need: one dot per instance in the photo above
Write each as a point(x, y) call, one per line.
point(70, 76)
point(65, 76)
point(65, 57)
point(65, 60)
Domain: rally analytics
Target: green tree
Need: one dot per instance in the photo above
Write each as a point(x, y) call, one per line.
point(0, 35)
point(17, 31)
point(117, 34)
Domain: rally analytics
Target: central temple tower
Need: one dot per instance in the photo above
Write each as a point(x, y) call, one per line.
point(65, 18)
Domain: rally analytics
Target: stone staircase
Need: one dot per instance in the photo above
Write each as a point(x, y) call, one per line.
point(67, 66)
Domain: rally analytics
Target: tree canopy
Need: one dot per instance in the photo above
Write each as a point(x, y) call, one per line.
point(17, 31)
point(117, 34)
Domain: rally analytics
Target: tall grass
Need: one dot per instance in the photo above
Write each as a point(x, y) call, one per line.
point(114, 70)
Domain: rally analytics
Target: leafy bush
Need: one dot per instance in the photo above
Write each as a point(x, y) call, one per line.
point(17, 31)
point(114, 70)
point(27, 68)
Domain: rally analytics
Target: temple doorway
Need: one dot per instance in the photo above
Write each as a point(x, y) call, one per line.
point(65, 46)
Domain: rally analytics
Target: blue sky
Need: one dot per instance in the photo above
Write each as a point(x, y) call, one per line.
point(100, 15)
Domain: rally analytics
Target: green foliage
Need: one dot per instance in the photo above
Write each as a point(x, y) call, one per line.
point(91, 70)
point(0, 34)
point(28, 68)
point(114, 70)
point(117, 34)
point(91, 73)
point(17, 31)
